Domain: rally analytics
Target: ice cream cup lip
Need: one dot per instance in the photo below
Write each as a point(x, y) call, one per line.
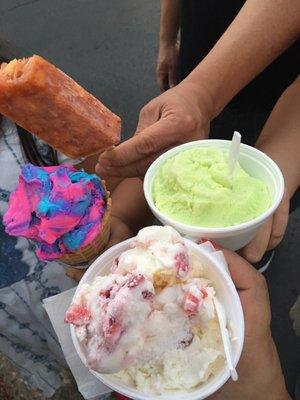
point(148, 180)
point(193, 394)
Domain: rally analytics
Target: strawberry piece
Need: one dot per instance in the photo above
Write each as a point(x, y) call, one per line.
point(114, 329)
point(147, 294)
point(192, 303)
point(182, 264)
point(106, 293)
point(135, 280)
point(77, 315)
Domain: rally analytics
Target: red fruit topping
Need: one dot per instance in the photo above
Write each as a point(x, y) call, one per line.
point(113, 330)
point(191, 304)
point(77, 315)
point(105, 293)
point(147, 294)
point(204, 293)
point(182, 264)
point(135, 280)
point(186, 342)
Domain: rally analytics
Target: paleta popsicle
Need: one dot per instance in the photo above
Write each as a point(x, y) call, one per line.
point(51, 105)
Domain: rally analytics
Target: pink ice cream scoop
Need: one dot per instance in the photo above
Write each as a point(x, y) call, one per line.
point(60, 208)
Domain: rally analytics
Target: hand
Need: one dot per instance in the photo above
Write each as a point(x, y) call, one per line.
point(260, 375)
point(179, 115)
point(167, 66)
point(119, 232)
point(269, 234)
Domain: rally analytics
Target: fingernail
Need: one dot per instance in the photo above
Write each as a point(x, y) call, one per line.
point(215, 245)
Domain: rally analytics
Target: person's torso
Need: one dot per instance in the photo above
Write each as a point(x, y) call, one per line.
point(203, 22)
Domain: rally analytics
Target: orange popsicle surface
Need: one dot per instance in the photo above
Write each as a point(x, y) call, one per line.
point(51, 105)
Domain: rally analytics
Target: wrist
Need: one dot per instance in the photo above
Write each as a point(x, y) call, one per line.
point(201, 97)
point(274, 383)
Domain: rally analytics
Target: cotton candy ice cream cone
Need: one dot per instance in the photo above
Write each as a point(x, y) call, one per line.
point(66, 212)
point(89, 252)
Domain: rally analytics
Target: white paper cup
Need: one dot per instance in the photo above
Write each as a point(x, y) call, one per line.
point(255, 163)
point(226, 293)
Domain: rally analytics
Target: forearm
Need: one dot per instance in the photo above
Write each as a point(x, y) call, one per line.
point(169, 21)
point(260, 33)
point(280, 137)
point(129, 204)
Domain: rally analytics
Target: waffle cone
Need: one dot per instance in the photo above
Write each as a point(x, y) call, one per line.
point(89, 252)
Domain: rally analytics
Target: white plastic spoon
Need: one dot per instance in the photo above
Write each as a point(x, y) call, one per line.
point(225, 338)
point(234, 151)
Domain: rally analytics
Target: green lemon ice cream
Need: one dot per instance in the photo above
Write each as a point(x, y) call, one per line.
point(194, 187)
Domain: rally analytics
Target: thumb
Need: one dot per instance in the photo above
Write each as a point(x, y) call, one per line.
point(149, 141)
point(135, 169)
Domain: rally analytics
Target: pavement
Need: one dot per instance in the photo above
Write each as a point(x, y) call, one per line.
point(110, 48)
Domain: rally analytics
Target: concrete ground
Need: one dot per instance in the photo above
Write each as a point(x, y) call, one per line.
point(110, 48)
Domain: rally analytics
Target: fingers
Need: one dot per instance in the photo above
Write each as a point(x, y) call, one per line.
point(149, 114)
point(280, 221)
point(255, 250)
point(136, 169)
point(254, 296)
point(151, 140)
point(75, 273)
point(242, 273)
point(173, 77)
point(162, 80)
point(269, 234)
point(166, 79)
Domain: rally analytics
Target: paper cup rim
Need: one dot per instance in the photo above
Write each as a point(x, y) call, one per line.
point(147, 185)
point(192, 395)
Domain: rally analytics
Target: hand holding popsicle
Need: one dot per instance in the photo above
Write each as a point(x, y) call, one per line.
point(175, 117)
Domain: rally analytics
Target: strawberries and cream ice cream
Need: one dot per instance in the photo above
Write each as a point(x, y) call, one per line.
point(151, 321)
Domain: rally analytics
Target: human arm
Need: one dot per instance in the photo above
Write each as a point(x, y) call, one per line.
point(280, 139)
point(259, 370)
point(166, 69)
point(259, 33)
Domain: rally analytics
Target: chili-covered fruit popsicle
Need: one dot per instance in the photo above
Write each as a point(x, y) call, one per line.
point(48, 103)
